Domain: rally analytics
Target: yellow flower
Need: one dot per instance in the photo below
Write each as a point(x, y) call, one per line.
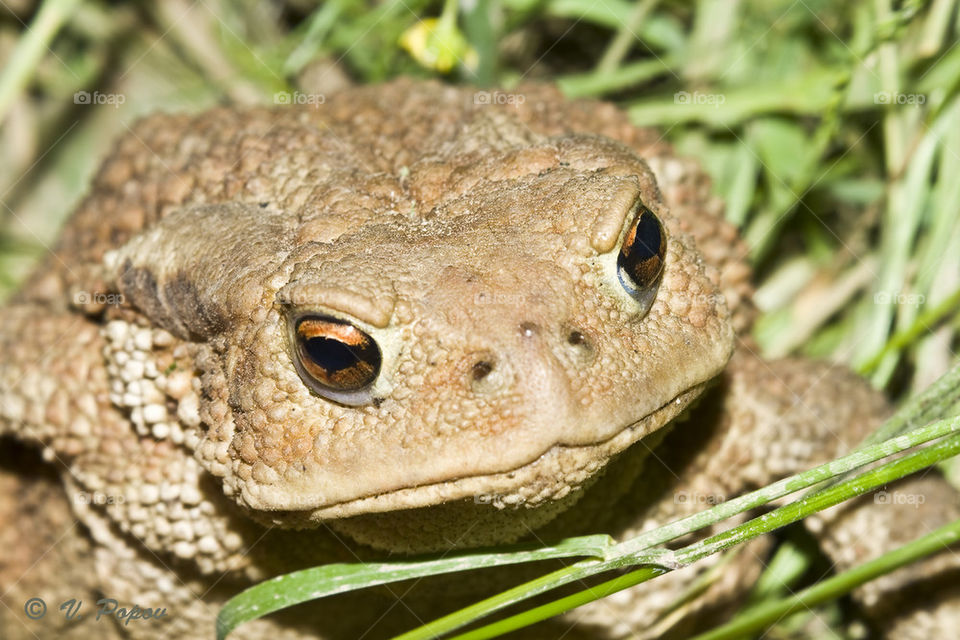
point(437, 44)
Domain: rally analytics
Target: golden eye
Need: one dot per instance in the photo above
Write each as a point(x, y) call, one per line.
point(336, 359)
point(641, 258)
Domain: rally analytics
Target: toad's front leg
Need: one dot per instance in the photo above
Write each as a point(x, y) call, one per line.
point(54, 409)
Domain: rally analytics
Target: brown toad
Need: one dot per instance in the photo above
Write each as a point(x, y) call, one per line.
point(402, 320)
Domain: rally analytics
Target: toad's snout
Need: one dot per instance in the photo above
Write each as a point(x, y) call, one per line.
point(533, 360)
point(531, 374)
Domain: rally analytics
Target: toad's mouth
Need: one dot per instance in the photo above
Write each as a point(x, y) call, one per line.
point(547, 478)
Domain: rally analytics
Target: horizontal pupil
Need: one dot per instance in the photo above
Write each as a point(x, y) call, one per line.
point(332, 355)
point(335, 359)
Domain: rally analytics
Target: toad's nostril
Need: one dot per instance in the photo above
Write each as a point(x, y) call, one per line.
point(529, 329)
point(482, 369)
point(581, 346)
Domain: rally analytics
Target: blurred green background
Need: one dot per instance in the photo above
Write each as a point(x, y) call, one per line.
point(832, 130)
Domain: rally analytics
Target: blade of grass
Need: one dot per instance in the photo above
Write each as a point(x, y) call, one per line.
point(938, 268)
point(626, 34)
point(19, 68)
point(935, 27)
point(908, 198)
point(311, 42)
point(293, 588)
point(762, 616)
point(611, 13)
point(483, 34)
point(583, 85)
point(920, 327)
point(942, 398)
point(766, 523)
point(807, 95)
point(630, 551)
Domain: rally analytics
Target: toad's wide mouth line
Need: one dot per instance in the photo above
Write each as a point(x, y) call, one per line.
point(527, 485)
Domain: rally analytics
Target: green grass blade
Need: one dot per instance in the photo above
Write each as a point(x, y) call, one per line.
point(808, 94)
point(21, 65)
point(637, 550)
point(762, 616)
point(585, 85)
point(766, 523)
point(919, 328)
point(300, 586)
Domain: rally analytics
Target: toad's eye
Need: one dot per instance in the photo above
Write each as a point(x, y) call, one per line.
point(641, 258)
point(337, 360)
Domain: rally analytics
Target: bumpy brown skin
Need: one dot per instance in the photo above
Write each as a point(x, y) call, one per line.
point(150, 361)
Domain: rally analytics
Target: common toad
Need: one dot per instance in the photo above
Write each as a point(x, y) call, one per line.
point(402, 319)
